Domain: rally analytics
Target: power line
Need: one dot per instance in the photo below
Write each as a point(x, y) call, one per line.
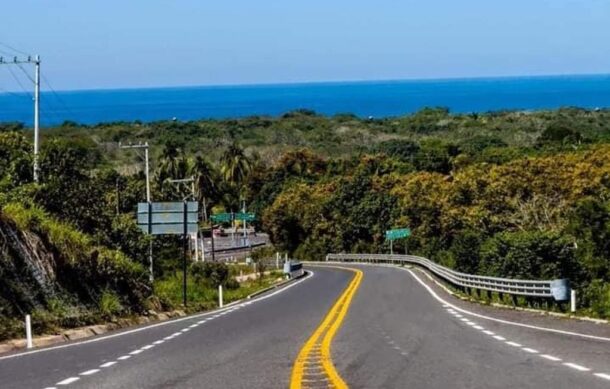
point(13, 49)
point(8, 92)
point(26, 73)
point(61, 101)
point(19, 82)
point(6, 53)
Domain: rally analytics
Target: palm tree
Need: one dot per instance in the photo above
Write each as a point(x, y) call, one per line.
point(206, 182)
point(235, 165)
point(173, 165)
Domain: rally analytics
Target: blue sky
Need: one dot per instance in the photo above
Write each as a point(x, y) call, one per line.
point(145, 43)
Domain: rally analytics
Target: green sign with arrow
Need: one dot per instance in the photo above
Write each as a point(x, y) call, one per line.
point(221, 217)
point(246, 216)
point(227, 217)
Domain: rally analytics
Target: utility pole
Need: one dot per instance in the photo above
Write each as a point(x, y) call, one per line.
point(36, 62)
point(243, 209)
point(190, 179)
point(148, 199)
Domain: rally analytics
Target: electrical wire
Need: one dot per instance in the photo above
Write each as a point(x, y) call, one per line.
point(13, 49)
point(26, 73)
point(19, 82)
point(61, 101)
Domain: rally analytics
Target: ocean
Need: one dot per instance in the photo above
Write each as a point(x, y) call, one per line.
point(366, 99)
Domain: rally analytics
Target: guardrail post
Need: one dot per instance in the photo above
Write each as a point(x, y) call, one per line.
point(220, 302)
point(572, 300)
point(28, 331)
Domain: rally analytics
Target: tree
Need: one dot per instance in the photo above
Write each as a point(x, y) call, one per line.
point(235, 166)
point(207, 183)
point(529, 254)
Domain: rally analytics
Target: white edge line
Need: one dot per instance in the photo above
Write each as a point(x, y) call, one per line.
point(576, 367)
point(89, 372)
point(203, 314)
point(530, 326)
point(602, 375)
point(550, 357)
point(514, 344)
point(68, 381)
point(108, 364)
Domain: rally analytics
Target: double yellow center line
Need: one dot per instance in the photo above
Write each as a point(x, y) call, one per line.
point(313, 367)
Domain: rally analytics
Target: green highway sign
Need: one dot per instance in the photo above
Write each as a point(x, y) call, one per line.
point(221, 217)
point(227, 217)
point(397, 234)
point(246, 216)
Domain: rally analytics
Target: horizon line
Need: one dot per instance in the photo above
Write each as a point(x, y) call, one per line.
point(317, 82)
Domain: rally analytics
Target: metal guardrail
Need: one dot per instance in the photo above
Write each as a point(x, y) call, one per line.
point(293, 269)
point(557, 289)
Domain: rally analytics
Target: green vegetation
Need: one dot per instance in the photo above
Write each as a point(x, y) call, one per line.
point(515, 194)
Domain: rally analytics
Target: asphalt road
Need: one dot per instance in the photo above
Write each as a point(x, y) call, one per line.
point(395, 335)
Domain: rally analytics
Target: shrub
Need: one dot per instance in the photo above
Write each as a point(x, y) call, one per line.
point(109, 304)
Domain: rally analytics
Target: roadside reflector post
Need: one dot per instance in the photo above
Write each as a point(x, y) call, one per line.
point(572, 300)
point(28, 331)
point(220, 302)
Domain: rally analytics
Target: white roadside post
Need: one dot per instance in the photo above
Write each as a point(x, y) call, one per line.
point(277, 260)
point(28, 331)
point(220, 302)
point(572, 300)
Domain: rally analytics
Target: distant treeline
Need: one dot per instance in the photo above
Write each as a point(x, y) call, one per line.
point(514, 194)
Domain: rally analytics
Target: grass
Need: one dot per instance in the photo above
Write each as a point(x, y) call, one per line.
point(203, 296)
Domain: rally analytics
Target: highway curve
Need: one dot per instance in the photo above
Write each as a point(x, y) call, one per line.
point(384, 331)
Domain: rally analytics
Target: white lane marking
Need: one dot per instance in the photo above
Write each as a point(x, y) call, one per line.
point(464, 319)
point(136, 352)
point(149, 346)
point(530, 326)
point(50, 387)
point(108, 364)
point(530, 350)
point(514, 344)
point(478, 328)
point(458, 315)
point(124, 357)
point(282, 289)
point(576, 367)
point(68, 381)
point(89, 372)
point(157, 342)
point(186, 330)
point(551, 358)
point(396, 348)
point(602, 375)
point(168, 337)
point(404, 354)
point(193, 325)
point(471, 324)
point(175, 334)
point(498, 337)
point(491, 333)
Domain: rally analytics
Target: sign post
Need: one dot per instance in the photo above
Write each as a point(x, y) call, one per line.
point(170, 218)
point(399, 233)
point(185, 248)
